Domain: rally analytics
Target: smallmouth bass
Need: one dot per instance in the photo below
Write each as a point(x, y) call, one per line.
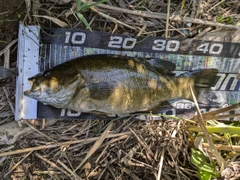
point(115, 85)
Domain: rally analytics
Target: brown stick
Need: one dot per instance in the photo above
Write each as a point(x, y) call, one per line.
point(17, 164)
point(223, 147)
point(8, 46)
point(53, 165)
point(221, 162)
point(167, 18)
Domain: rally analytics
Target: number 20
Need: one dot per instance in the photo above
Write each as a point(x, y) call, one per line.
point(118, 42)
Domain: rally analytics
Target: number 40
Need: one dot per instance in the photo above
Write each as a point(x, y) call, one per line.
point(215, 48)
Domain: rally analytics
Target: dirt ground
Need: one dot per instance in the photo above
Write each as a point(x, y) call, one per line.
point(123, 149)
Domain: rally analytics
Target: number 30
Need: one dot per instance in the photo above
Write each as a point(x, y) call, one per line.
point(161, 45)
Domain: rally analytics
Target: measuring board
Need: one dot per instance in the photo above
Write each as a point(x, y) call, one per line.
point(41, 50)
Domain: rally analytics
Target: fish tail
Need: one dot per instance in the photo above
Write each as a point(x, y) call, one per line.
point(203, 80)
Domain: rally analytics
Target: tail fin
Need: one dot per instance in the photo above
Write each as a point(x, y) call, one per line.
point(203, 78)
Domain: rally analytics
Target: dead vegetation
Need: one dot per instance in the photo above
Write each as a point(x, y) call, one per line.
point(122, 149)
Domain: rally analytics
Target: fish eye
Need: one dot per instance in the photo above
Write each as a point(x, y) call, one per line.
point(46, 73)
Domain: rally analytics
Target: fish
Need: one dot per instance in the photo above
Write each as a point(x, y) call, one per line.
point(110, 85)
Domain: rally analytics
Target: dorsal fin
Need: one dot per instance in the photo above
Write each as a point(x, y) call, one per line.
point(160, 66)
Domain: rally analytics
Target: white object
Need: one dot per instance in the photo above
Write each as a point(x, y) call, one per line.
point(27, 63)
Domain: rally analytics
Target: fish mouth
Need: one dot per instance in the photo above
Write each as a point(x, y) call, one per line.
point(34, 91)
point(32, 94)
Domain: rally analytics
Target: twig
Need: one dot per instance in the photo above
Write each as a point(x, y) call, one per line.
point(36, 130)
point(130, 154)
point(215, 5)
point(6, 52)
point(112, 172)
point(95, 146)
point(111, 18)
point(49, 172)
point(167, 18)
point(43, 124)
point(220, 160)
point(9, 101)
point(6, 12)
point(7, 148)
point(103, 151)
point(69, 170)
point(174, 29)
point(208, 23)
point(89, 140)
point(223, 147)
point(75, 125)
point(8, 46)
point(214, 114)
point(83, 128)
point(135, 162)
point(53, 165)
point(203, 32)
point(178, 30)
point(103, 171)
point(143, 143)
point(160, 165)
point(17, 164)
point(114, 140)
point(174, 163)
point(7, 58)
point(130, 173)
point(92, 171)
point(142, 30)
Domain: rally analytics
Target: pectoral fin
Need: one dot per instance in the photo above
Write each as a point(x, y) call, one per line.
point(100, 91)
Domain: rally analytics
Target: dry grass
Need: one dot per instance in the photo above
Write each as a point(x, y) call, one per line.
point(123, 149)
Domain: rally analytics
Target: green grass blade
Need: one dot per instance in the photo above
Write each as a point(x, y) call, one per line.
point(206, 170)
point(83, 19)
point(78, 5)
point(221, 128)
point(86, 6)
